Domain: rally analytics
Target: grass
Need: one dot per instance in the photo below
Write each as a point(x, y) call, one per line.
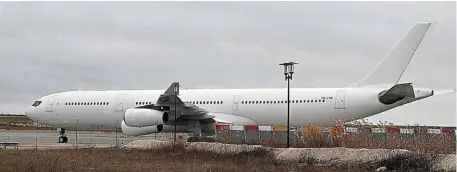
point(172, 158)
point(313, 137)
point(16, 119)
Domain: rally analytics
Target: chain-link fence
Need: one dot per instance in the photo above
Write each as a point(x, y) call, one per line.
point(421, 138)
point(441, 139)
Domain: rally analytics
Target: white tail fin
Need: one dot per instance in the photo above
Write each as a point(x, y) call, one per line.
point(390, 69)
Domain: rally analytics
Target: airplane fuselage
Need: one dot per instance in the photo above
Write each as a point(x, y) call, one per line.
point(104, 110)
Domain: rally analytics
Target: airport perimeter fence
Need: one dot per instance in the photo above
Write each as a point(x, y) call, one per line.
point(44, 139)
point(420, 138)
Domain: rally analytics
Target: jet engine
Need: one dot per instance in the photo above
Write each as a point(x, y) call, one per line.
point(144, 117)
point(138, 131)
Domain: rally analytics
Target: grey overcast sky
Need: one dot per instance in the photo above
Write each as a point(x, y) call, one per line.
point(48, 47)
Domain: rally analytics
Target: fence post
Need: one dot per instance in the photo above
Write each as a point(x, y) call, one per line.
point(385, 137)
point(36, 136)
point(76, 133)
point(116, 143)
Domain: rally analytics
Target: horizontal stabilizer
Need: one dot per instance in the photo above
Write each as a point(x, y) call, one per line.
point(396, 93)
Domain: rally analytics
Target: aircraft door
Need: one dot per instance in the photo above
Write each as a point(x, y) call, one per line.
point(50, 105)
point(340, 100)
point(119, 103)
point(236, 100)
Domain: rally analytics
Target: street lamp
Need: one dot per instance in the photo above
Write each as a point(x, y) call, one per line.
point(288, 72)
point(176, 92)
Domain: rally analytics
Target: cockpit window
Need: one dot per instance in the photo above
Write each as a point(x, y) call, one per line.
point(36, 103)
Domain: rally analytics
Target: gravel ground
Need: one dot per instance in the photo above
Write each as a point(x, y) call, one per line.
point(443, 162)
point(320, 156)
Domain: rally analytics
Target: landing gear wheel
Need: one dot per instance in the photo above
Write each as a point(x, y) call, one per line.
point(63, 139)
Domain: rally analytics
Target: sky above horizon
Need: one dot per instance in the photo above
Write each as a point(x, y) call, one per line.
point(49, 47)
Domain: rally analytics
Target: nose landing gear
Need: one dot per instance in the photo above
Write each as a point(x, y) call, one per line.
point(63, 137)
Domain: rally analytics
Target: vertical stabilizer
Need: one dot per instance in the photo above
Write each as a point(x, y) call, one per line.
point(390, 69)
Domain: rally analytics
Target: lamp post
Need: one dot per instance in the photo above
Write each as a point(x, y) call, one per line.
point(176, 92)
point(288, 72)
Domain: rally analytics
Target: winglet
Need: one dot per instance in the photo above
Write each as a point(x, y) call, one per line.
point(390, 69)
point(174, 87)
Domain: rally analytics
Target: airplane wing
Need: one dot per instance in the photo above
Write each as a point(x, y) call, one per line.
point(170, 101)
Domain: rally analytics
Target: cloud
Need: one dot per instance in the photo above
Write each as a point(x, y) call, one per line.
point(47, 47)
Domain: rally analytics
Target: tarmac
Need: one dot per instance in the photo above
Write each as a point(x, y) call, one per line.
point(48, 139)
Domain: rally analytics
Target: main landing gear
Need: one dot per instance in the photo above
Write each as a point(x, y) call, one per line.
point(63, 137)
point(197, 135)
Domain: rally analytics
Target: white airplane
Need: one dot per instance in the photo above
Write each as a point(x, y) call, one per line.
point(141, 112)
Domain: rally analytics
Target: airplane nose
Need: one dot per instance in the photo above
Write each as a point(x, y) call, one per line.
point(29, 113)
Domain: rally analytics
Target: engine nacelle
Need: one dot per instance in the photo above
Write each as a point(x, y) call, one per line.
point(138, 131)
point(144, 117)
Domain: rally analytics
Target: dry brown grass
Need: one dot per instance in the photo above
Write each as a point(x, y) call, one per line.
point(173, 158)
point(313, 137)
